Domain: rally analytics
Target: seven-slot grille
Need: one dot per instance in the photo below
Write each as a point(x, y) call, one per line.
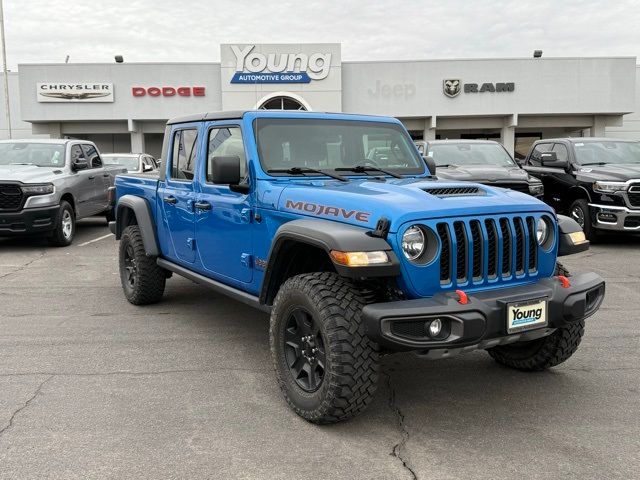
point(475, 250)
point(10, 197)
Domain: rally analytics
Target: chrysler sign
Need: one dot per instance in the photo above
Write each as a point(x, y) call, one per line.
point(255, 67)
point(74, 92)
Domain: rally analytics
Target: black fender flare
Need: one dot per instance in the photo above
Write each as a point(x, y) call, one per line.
point(144, 220)
point(327, 235)
point(566, 244)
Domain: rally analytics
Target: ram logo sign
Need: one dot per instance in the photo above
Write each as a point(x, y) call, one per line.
point(256, 67)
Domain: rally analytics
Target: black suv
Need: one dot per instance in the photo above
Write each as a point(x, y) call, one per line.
point(595, 180)
point(481, 161)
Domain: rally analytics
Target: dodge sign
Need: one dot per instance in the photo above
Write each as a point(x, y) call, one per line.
point(74, 92)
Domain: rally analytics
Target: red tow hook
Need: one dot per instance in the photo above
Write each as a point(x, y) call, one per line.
point(564, 281)
point(462, 297)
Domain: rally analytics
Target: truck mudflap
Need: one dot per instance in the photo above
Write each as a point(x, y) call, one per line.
point(481, 319)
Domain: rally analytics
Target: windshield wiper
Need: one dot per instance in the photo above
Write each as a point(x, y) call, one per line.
point(303, 170)
point(594, 163)
point(447, 165)
point(365, 169)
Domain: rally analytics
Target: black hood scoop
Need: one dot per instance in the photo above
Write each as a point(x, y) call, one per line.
point(455, 191)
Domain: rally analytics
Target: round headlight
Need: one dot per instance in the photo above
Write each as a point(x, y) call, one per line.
point(542, 231)
point(413, 242)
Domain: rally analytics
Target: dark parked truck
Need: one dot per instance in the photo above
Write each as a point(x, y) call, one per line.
point(481, 161)
point(46, 185)
point(353, 254)
point(596, 181)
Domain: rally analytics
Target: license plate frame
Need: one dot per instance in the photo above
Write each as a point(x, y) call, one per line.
point(524, 323)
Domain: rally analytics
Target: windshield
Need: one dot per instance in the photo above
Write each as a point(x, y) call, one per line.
point(130, 163)
point(607, 152)
point(470, 154)
point(331, 144)
point(38, 154)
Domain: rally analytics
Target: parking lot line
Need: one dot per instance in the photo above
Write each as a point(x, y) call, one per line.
point(95, 240)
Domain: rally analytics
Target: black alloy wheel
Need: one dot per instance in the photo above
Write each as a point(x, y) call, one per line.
point(130, 266)
point(304, 350)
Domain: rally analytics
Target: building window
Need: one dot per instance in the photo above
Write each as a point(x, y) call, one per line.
point(282, 103)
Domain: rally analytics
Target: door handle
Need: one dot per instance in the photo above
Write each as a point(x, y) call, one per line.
point(105, 174)
point(203, 205)
point(170, 199)
point(92, 177)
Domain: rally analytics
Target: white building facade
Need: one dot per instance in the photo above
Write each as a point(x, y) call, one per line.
point(123, 107)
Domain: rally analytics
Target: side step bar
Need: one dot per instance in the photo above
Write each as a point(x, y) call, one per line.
point(234, 293)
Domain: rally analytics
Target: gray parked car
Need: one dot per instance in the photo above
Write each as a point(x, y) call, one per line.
point(133, 162)
point(46, 185)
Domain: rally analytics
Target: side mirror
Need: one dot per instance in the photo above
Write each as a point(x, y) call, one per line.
point(147, 168)
point(225, 170)
point(431, 164)
point(550, 159)
point(79, 164)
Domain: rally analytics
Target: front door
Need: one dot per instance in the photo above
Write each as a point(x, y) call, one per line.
point(86, 184)
point(177, 194)
point(100, 202)
point(224, 217)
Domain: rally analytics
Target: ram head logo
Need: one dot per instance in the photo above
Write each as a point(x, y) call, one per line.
point(451, 87)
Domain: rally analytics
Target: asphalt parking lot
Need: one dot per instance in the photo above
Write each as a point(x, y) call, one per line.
point(92, 387)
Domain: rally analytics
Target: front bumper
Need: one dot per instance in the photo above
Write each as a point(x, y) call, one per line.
point(29, 221)
point(482, 322)
point(608, 217)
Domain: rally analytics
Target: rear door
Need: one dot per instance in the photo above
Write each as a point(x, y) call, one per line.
point(224, 228)
point(177, 193)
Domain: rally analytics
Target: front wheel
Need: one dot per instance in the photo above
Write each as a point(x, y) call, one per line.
point(545, 352)
point(579, 211)
point(143, 281)
point(65, 227)
point(326, 366)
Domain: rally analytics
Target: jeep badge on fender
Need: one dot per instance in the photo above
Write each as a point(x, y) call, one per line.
point(335, 225)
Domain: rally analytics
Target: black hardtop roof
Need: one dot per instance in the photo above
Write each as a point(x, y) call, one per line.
point(460, 140)
point(199, 117)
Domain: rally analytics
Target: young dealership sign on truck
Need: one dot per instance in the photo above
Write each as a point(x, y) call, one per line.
point(74, 92)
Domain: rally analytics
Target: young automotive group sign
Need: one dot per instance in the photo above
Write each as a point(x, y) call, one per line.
point(74, 92)
point(256, 67)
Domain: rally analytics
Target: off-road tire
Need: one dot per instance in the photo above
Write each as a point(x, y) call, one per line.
point(58, 237)
point(545, 352)
point(587, 228)
point(150, 279)
point(352, 360)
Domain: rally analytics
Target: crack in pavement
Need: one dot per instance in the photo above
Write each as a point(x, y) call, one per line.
point(124, 372)
point(397, 450)
point(9, 425)
point(22, 267)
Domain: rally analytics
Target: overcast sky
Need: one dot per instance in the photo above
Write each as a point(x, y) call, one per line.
point(192, 30)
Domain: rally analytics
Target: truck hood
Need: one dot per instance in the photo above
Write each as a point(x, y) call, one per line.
point(483, 173)
point(29, 173)
point(615, 173)
point(362, 202)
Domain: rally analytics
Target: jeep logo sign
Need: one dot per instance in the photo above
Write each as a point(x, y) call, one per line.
point(255, 67)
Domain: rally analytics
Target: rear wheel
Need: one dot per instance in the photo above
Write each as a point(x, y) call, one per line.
point(65, 227)
point(545, 352)
point(143, 281)
point(326, 366)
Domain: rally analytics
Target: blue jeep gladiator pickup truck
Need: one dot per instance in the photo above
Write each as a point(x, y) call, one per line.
point(335, 225)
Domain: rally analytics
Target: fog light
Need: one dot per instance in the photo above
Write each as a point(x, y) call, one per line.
point(435, 327)
point(608, 217)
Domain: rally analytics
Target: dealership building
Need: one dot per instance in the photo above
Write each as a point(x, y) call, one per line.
point(123, 106)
